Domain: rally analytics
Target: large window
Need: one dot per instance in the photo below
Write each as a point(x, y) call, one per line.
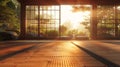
point(106, 18)
point(50, 21)
point(42, 21)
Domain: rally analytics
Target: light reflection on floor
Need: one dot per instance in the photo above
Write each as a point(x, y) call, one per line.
point(52, 54)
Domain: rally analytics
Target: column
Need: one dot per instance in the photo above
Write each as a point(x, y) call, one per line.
point(22, 22)
point(94, 22)
point(116, 22)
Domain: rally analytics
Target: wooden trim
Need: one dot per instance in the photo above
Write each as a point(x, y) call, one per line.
point(59, 21)
point(38, 21)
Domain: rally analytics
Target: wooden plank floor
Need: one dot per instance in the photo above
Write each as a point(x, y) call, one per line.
point(107, 49)
point(52, 54)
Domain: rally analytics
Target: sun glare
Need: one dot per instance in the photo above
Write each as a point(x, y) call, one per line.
point(73, 17)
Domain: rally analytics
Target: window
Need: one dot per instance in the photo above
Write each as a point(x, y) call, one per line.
point(42, 21)
point(106, 21)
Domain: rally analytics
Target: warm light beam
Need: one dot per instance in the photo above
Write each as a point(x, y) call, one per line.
point(74, 18)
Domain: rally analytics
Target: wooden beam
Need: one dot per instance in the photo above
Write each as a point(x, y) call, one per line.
point(57, 2)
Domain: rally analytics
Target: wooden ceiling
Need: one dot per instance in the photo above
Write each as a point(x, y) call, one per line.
point(69, 2)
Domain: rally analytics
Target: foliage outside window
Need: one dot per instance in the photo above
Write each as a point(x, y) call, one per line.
point(108, 21)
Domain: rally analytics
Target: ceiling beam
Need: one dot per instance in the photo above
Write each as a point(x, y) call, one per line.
point(70, 2)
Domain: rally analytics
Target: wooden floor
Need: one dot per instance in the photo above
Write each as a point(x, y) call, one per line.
point(58, 53)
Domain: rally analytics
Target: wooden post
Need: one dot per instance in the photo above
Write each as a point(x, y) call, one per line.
point(22, 22)
point(116, 22)
point(94, 22)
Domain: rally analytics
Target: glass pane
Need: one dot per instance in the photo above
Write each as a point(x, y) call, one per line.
point(106, 21)
point(118, 16)
point(32, 21)
point(48, 17)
